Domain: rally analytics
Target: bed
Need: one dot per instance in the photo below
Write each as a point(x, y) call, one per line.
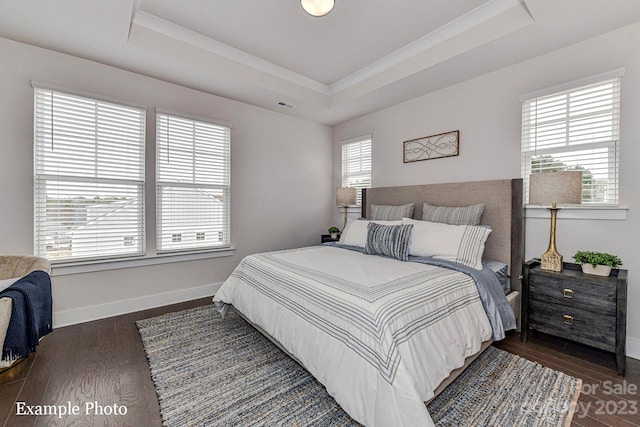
point(384, 335)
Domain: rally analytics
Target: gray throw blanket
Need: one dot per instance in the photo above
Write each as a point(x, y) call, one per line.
point(31, 315)
point(490, 291)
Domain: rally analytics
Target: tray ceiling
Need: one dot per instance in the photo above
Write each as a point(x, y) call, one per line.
point(365, 55)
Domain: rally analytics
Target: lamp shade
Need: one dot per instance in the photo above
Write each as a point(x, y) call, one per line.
point(555, 187)
point(317, 7)
point(345, 196)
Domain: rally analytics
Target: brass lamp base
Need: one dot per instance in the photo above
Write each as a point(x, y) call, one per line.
point(551, 261)
point(345, 217)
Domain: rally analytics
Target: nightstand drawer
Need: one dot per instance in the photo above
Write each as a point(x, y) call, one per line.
point(600, 298)
point(573, 323)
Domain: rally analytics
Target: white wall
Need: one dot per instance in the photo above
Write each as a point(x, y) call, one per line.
point(280, 176)
point(487, 111)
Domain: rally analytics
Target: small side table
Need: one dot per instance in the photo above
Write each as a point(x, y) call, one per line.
point(327, 238)
point(580, 307)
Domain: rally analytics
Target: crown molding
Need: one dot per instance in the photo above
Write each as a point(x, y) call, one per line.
point(459, 26)
point(148, 21)
point(481, 25)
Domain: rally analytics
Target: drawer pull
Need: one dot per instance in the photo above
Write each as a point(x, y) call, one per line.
point(567, 320)
point(567, 293)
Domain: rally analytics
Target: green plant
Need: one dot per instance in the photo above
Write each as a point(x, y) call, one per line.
point(333, 230)
point(597, 258)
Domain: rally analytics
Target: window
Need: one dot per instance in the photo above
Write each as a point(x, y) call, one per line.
point(193, 183)
point(356, 164)
point(576, 128)
point(89, 177)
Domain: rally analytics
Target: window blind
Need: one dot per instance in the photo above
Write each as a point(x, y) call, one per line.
point(89, 177)
point(356, 165)
point(575, 129)
point(193, 183)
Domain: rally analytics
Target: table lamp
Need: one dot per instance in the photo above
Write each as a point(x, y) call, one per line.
point(345, 196)
point(553, 188)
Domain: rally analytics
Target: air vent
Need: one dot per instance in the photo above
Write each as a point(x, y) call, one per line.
point(285, 104)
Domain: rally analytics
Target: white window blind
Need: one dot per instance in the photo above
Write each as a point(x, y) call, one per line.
point(575, 129)
point(193, 183)
point(356, 164)
point(89, 177)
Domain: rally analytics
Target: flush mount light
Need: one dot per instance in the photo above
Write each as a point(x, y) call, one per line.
point(317, 7)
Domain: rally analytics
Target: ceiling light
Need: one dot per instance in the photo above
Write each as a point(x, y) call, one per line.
point(317, 7)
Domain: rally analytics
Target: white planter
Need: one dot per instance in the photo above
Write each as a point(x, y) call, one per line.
point(334, 235)
point(598, 270)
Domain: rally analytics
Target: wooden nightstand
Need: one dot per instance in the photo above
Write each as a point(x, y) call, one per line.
point(327, 238)
point(588, 309)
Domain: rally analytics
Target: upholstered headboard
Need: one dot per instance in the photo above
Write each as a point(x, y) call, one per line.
point(503, 212)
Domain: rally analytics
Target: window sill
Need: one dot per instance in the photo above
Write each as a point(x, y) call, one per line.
point(350, 209)
point(68, 268)
point(611, 213)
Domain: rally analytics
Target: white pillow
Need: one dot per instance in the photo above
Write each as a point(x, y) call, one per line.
point(463, 244)
point(355, 233)
point(5, 283)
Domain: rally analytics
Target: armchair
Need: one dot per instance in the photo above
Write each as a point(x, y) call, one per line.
point(15, 267)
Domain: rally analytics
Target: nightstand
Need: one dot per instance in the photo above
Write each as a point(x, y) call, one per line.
point(327, 238)
point(580, 307)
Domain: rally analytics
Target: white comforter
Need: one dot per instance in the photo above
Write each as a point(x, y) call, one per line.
point(378, 333)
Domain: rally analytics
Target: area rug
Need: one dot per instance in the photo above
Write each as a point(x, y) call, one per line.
point(215, 372)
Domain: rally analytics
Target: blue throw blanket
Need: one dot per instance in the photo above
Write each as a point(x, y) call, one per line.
point(31, 315)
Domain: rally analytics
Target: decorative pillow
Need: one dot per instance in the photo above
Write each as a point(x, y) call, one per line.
point(463, 215)
point(501, 270)
point(463, 244)
point(390, 240)
point(391, 213)
point(355, 232)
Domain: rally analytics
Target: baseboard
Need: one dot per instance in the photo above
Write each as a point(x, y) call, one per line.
point(633, 347)
point(116, 308)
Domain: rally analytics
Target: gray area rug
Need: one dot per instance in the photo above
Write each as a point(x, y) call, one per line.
point(213, 372)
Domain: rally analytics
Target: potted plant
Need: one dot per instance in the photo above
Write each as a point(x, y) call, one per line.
point(598, 263)
point(334, 231)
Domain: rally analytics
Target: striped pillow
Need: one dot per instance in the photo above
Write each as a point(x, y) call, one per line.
point(355, 233)
point(463, 215)
point(392, 213)
point(390, 240)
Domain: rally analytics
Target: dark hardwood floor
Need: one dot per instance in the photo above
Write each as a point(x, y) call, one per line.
point(104, 362)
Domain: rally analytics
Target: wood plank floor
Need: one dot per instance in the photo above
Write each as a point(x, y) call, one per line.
point(104, 362)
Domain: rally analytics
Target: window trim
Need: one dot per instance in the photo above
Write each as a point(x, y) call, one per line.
point(354, 140)
point(591, 212)
point(141, 184)
point(595, 210)
point(613, 74)
point(106, 264)
point(89, 265)
point(159, 183)
point(86, 94)
point(189, 116)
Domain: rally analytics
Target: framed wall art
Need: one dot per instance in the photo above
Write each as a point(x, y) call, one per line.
point(432, 147)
